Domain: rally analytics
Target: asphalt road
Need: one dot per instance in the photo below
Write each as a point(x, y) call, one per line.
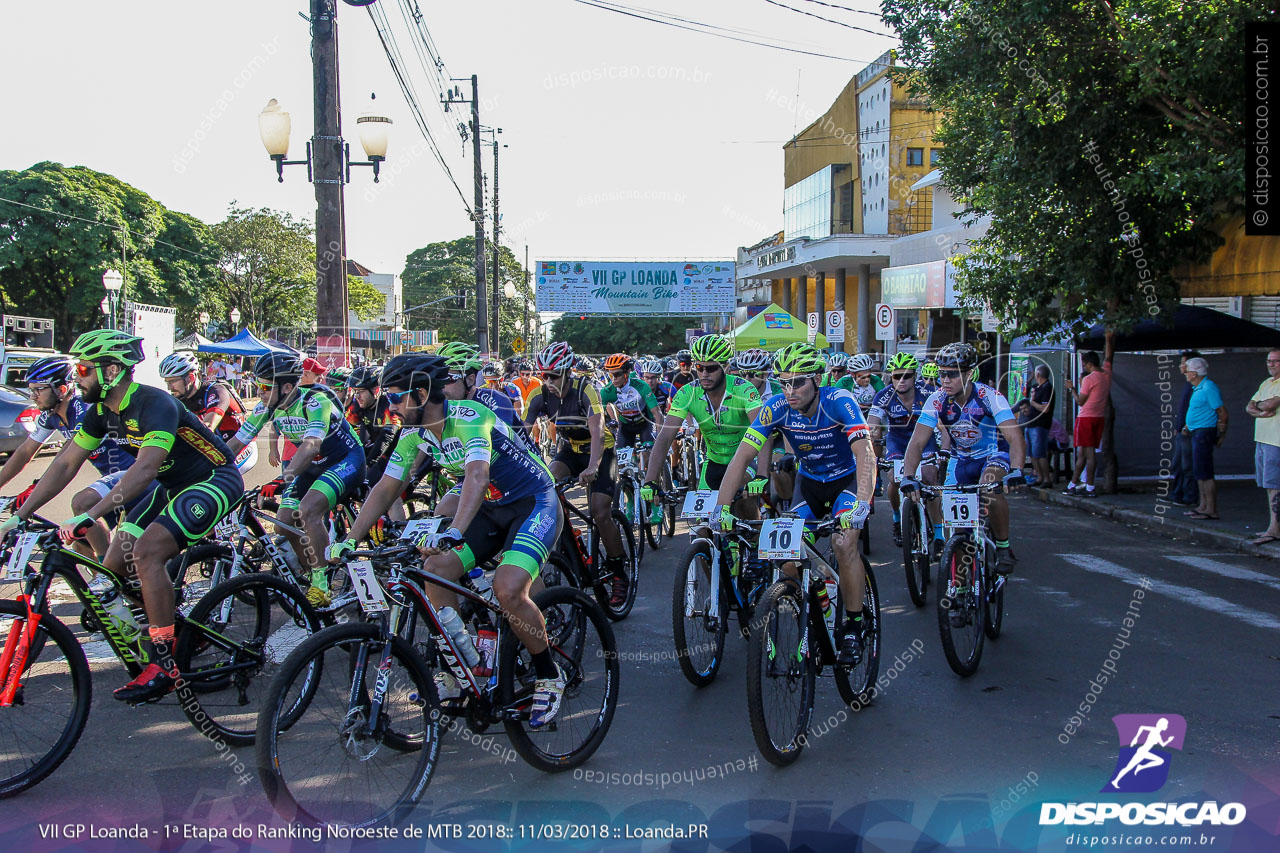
point(937, 762)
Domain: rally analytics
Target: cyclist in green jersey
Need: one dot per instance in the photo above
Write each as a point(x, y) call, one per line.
point(327, 467)
point(723, 407)
point(507, 505)
point(170, 445)
point(837, 372)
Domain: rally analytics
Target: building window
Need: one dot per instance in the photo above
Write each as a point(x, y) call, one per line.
point(933, 156)
point(915, 156)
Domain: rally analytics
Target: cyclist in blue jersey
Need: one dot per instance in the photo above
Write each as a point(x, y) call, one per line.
point(53, 389)
point(651, 372)
point(835, 473)
point(893, 415)
point(986, 442)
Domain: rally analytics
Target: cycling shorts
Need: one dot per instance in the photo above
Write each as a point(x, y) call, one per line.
point(523, 532)
point(713, 474)
point(577, 462)
point(334, 480)
point(191, 514)
point(154, 493)
point(819, 499)
point(895, 445)
point(968, 469)
point(630, 434)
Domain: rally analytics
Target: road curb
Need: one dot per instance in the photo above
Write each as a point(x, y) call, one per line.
point(1174, 529)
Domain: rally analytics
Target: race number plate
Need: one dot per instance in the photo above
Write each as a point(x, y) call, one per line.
point(18, 557)
point(420, 527)
point(625, 456)
point(698, 504)
point(366, 586)
point(960, 510)
point(782, 539)
point(897, 470)
point(226, 529)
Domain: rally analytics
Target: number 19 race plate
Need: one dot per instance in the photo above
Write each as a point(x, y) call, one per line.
point(782, 539)
point(698, 505)
point(960, 510)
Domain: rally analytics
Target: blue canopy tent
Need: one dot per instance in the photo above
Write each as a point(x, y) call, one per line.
point(243, 343)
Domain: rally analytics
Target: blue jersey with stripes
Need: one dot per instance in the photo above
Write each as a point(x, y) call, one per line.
point(823, 443)
point(900, 422)
point(973, 425)
point(108, 458)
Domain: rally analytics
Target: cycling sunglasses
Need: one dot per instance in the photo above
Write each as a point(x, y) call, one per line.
point(898, 377)
point(948, 374)
point(753, 374)
point(395, 397)
point(707, 368)
point(83, 370)
point(552, 377)
point(795, 383)
point(620, 374)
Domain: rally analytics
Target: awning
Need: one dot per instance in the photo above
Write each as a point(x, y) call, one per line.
point(1193, 327)
point(243, 342)
point(193, 341)
point(928, 180)
point(772, 329)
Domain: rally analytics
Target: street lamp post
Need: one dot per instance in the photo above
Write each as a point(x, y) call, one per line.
point(204, 319)
point(112, 282)
point(235, 316)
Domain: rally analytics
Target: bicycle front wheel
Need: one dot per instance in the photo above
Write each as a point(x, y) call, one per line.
point(993, 602)
point(781, 675)
point(699, 638)
point(331, 765)
point(40, 729)
point(857, 685)
point(231, 644)
point(960, 612)
point(583, 646)
point(916, 564)
point(629, 504)
point(630, 566)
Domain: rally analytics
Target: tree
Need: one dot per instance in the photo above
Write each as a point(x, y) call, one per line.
point(365, 300)
point(1105, 140)
point(603, 335)
point(64, 226)
point(438, 271)
point(268, 269)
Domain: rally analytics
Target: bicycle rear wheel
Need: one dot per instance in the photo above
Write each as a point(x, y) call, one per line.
point(915, 564)
point(329, 766)
point(781, 675)
point(38, 732)
point(583, 645)
point(628, 503)
point(234, 640)
point(857, 685)
point(630, 567)
point(699, 639)
point(961, 615)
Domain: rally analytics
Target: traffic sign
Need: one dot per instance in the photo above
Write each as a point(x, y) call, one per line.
point(886, 322)
point(813, 326)
point(517, 345)
point(990, 322)
point(835, 327)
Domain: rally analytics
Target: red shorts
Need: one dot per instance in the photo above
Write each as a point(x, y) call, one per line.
point(1088, 432)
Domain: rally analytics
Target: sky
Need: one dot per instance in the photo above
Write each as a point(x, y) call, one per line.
point(626, 139)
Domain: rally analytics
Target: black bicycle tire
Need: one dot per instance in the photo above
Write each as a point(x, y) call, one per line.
point(192, 707)
point(909, 537)
point(273, 784)
point(924, 562)
point(961, 667)
point(82, 683)
point(628, 486)
point(993, 620)
point(755, 697)
point(863, 694)
point(604, 589)
point(509, 649)
point(693, 676)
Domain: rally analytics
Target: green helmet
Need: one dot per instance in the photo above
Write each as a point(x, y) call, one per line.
point(336, 377)
point(107, 345)
point(798, 358)
point(464, 358)
point(929, 370)
point(903, 361)
point(712, 348)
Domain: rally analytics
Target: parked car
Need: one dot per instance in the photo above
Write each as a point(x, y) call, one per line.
point(17, 417)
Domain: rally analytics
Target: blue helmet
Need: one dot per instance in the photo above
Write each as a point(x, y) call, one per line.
point(54, 370)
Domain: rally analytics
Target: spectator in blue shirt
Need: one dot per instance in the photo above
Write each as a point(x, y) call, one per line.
point(1183, 491)
point(1207, 426)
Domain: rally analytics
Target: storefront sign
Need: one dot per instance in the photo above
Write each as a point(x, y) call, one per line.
point(918, 286)
point(652, 288)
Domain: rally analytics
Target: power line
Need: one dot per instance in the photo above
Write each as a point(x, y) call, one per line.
point(846, 8)
point(829, 20)
point(709, 30)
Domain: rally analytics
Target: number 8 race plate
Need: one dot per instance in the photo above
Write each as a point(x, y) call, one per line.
point(698, 504)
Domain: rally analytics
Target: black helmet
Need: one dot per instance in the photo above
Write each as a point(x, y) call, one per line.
point(684, 357)
point(278, 366)
point(364, 377)
point(963, 356)
point(415, 370)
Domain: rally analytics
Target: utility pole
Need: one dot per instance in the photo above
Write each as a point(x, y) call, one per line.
point(528, 338)
point(482, 317)
point(497, 251)
point(331, 277)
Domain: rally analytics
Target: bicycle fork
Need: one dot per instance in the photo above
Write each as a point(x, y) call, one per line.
point(13, 659)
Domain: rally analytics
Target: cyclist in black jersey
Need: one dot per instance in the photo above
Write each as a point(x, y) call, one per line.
point(172, 446)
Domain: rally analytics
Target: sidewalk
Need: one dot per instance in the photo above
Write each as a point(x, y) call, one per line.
point(1242, 508)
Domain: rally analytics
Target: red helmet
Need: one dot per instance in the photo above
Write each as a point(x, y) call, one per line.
point(554, 357)
point(618, 361)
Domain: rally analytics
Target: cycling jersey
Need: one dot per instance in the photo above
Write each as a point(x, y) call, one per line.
point(206, 400)
point(569, 413)
point(107, 457)
point(375, 426)
point(525, 386)
point(864, 394)
point(846, 382)
point(901, 423)
point(973, 426)
point(822, 443)
point(314, 413)
point(678, 380)
point(632, 400)
point(722, 429)
point(474, 433)
point(149, 417)
point(663, 394)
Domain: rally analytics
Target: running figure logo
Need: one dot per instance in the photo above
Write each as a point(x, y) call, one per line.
point(1145, 741)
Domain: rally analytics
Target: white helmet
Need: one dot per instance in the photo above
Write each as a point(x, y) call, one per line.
point(753, 360)
point(861, 362)
point(179, 364)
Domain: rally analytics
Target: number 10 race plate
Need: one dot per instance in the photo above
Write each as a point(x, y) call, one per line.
point(782, 539)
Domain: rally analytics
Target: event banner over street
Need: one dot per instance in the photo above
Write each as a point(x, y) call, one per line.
point(650, 287)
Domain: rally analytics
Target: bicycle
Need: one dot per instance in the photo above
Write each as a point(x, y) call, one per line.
point(687, 471)
point(580, 559)
point(628, 500)
point(376, 713)
point(971, 606)
point(718, 579)
point(793, 636)
point(917, 538)
point(232, 637)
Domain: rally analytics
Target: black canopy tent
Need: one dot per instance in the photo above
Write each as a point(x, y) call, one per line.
point(1193, 327)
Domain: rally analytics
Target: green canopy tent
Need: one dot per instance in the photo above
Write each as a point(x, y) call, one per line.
point(772, 329)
